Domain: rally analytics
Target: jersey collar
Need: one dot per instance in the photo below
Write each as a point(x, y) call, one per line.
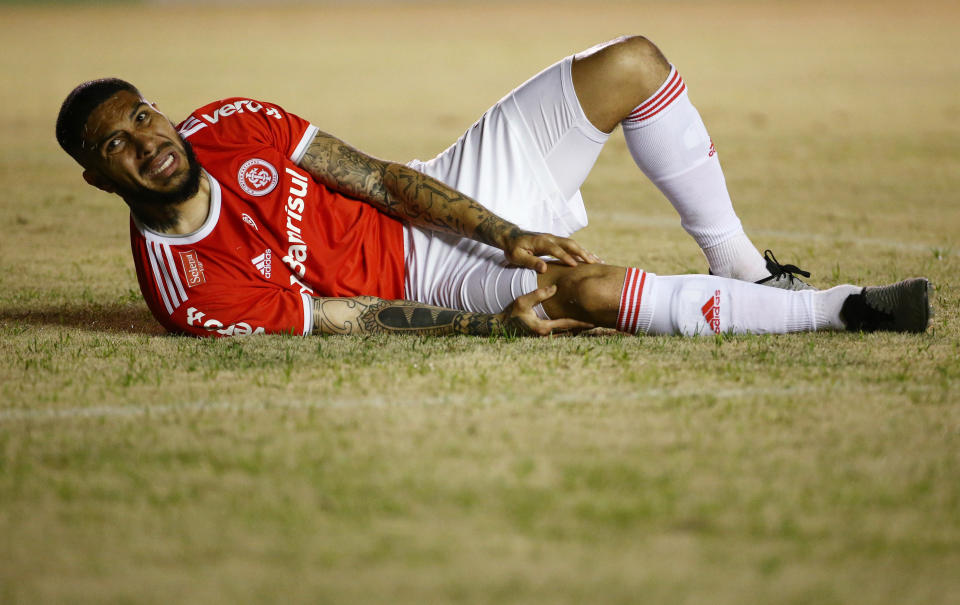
point(213, 215)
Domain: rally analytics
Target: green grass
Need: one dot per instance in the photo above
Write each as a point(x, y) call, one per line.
point(816, 468)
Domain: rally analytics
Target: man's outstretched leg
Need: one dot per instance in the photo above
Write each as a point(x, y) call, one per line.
point(631, 300)
point(629, 82)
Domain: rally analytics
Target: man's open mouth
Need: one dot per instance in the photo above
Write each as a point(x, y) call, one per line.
point(163, 165)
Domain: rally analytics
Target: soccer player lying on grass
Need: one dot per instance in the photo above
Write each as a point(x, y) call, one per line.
point(248, 219)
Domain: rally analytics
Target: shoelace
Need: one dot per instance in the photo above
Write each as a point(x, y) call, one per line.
point(776, 269)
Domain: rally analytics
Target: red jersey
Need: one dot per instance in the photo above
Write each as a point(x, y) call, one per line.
point(273, 236)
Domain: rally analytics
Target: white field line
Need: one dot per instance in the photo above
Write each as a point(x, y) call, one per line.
point(641, 220)
point(642, 396)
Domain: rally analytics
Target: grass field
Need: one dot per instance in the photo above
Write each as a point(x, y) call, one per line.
point(820, 468)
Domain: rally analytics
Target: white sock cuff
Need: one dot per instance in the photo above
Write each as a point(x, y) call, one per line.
point(654, 108)
point(803, 317)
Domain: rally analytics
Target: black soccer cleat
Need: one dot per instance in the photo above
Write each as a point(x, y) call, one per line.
point(783, 276)
point(900, 307)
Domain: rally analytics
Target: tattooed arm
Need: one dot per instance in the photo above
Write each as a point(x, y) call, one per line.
point(371, 315)
point(426, 202)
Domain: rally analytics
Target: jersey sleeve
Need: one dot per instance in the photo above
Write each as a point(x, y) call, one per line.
point(239, 121)
point(216, 310)
point(242, 311)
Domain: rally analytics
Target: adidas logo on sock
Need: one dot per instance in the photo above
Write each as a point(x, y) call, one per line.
point(711, 312)
point(264, 263)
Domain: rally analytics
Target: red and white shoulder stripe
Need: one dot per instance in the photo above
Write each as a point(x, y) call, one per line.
point(669, 92)
point(169, 285)
point(162, 256)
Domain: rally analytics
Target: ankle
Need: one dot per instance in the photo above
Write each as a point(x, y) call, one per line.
point(827, 305)
point(736, 258)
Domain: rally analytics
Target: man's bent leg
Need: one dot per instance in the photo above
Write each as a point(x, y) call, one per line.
point(632, 300)
point(524, 159)
point(629, 81)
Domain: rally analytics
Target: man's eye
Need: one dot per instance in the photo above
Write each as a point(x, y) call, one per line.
point(142, 116)
point(113, 145)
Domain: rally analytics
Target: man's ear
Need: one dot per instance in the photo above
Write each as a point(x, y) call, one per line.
point(94, 178)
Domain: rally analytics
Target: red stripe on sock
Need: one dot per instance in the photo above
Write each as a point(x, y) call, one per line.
point(630, 298)
point(655, 111)
point(624, 309)
point(664, 90)
point(631, 305)
point(636, 316)
point(657, 99)
point(664, 103)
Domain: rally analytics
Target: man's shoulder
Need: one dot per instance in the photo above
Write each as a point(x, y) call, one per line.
point(231, 113)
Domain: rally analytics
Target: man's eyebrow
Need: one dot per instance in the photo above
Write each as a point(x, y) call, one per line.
point(136, 108)
point(133, 113)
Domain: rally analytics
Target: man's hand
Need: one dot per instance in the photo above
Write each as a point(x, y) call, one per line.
point(524, 248)
point(520, 318)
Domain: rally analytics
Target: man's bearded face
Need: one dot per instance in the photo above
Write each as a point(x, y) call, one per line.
point(136, 152)
point(165, 198)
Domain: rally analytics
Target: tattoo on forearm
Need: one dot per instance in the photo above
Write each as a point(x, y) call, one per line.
point(370, 315)
point(433, 204)
point(402, 192)
point(341, 167)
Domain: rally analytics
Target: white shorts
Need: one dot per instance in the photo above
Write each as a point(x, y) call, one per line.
point(524, 160)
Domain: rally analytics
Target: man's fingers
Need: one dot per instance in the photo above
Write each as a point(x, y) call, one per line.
point(568, 324)
point(572, 252)
point(578, 251)
point(523, 310)
point(532, 299)
point(563, 256)
point(558, 326)
point(527, 249)
point(525, 258)
point(589, 257)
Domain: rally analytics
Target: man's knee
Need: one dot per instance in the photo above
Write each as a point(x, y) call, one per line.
point(586, 292)
point(612, 79)
point(636, 57)
point(629, 59)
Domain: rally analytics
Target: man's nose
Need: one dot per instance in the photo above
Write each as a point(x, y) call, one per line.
point(146, 145)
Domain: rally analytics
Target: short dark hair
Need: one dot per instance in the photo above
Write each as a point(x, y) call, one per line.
point(78, 106)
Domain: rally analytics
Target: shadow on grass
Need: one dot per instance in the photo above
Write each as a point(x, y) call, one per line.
point(124, 318)
point(131, 318)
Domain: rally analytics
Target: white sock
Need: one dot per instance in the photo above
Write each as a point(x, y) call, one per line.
point(670, 144)
point(738, 258)
point(704, 305)
point(827, 305)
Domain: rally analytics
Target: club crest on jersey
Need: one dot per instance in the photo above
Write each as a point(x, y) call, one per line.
point(257, 177)
point(192, 268)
